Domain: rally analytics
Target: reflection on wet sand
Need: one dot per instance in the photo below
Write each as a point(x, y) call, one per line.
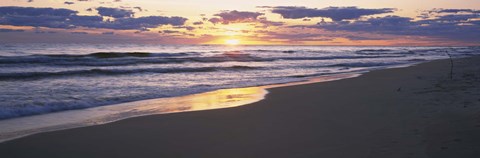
point(224, 98)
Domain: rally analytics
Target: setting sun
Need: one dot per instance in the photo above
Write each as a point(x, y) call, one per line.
point(232, 42)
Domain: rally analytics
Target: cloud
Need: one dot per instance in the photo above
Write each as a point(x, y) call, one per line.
point(30, 11)
point(108, 33)
point(114, 12)
point(235, 16)
point(79, 33)
point(138, 8)
point(68, 3)
point(227, 17)
point(361, 38)
point(267, 23)
point(455, 11)
point(449, 13)
point(189, 28)
point(170, 31)
point(68, 19)
point(42, 32)
point(37, 21)
point(198, 23)
point(457, 17)
point(460, 27)
point(11, 30)
point(215, 20)
point(335, 13)
point(298, 36)
point(142, 22)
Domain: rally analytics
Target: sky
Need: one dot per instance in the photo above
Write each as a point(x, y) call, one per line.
point(263, 22)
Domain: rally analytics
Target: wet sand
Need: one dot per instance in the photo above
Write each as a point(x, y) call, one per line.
point(416, 111)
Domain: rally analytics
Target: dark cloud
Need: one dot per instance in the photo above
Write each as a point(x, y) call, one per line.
point(188, 34)
point(448, 14)
point(215, 20)
point(453, 26)
point(361, 38)
point(67, 19)
point(141, 22)
point(37, 21)
point(79, 33)
point(114, 12)
point(11, 30)
point(267, 23)
point(299, 36)
point(227, 17)
point(30, 11)
point(234, 16)
point(138, 8)
point(42, 32)
point(198, 23)
point(108, 33)
point(455, 11)
point(170, 31)
point(68, 3)
point(296, 37)
point(456, 17)
point(335, 13)
point(189, 28)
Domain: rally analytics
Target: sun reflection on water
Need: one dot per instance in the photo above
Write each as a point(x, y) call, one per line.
point(223, 98)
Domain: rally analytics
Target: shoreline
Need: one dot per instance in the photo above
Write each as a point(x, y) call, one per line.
point(402, 112)
point(15, 128)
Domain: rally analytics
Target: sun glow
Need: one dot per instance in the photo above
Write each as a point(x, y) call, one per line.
point(232, 41)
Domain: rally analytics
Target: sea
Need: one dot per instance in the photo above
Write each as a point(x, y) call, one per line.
point(46, 78)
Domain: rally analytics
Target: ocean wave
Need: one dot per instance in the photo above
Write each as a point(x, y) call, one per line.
point(101, 59)
point(341, 57)
point(120, 59)
point(136, 58)
point(122, 55)
point(364, 64)
point(35, 108)
point(106, 72)
point(375, 50)
point(384, 52)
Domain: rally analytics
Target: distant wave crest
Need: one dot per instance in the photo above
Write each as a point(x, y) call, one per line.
point(97, 72)
point(138, 58)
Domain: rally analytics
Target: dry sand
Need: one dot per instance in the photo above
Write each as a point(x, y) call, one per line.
point(404, 112)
